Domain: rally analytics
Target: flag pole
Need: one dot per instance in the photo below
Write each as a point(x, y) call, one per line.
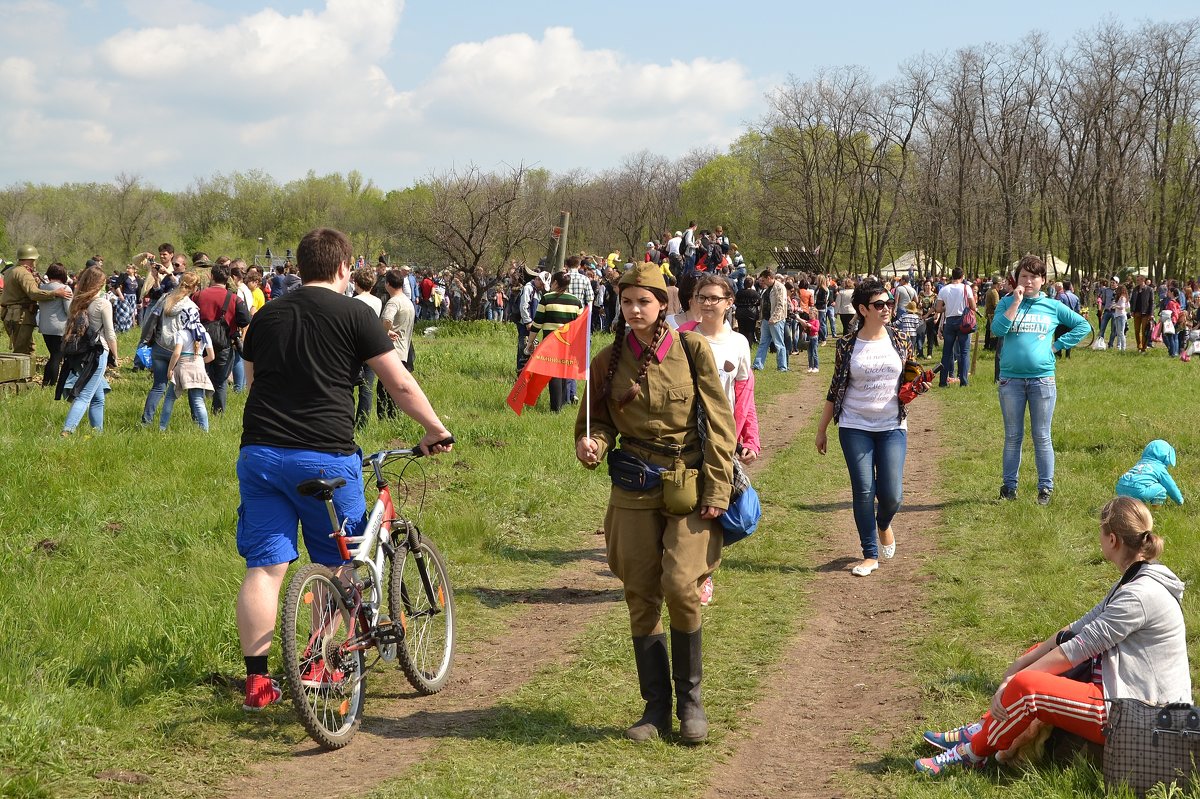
point(587, 386)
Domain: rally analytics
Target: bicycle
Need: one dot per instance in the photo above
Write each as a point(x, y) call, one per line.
point(333, 617)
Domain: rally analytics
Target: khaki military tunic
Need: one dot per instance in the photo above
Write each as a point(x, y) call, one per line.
point(657, 555)
point(19, 302)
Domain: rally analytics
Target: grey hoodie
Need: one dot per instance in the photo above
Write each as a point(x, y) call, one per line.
point(1138, 633)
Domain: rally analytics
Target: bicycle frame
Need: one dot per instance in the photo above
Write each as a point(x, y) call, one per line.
point(370, 551)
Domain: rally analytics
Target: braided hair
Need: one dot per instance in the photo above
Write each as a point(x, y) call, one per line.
point(661, 329)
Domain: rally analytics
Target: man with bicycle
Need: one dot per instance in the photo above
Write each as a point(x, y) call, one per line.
point(303, 354)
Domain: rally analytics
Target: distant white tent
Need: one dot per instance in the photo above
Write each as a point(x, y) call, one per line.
point(1055, 267)
point(915, 260)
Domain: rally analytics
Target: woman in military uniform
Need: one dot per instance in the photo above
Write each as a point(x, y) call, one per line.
point(663, 540)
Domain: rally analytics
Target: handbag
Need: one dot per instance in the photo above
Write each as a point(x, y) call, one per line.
point(968, 322)
point(1150, 744)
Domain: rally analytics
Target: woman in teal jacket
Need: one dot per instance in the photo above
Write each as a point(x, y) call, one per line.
point(1026, 320)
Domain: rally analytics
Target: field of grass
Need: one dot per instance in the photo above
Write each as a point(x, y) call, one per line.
point(118, 572)
point(1010, 573)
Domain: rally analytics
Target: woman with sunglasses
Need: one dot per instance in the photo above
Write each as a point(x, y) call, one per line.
point(868, 370)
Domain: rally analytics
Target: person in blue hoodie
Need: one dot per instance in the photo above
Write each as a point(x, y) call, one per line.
point(1026, 321)
point(1149, 479)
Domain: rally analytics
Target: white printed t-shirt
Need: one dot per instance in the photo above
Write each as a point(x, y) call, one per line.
point(731, 352)
point(871, 402)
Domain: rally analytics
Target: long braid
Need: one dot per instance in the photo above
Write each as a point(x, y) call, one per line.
point(614, 358)
point(660, 333)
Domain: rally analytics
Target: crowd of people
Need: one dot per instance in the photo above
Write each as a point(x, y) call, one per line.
point(671, 410)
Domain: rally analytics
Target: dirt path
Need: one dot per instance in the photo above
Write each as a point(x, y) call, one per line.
point(827, 717)
point(536, 638)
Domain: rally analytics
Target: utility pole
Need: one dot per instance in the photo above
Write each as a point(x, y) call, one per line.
point(556, 252)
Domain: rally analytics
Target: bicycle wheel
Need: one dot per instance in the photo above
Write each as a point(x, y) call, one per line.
point(326, 678)
point(422, 600)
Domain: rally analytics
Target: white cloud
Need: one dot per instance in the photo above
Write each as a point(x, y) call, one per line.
point(556, 87)
point(188, 96)
point(167, 12)
point(18, 80)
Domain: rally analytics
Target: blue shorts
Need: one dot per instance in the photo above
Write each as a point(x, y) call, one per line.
point(271, 507)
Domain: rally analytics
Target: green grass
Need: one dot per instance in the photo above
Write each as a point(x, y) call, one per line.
point(120, 637)
point(1010, 573)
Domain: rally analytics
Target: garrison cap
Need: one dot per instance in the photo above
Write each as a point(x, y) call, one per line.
point(646, 276)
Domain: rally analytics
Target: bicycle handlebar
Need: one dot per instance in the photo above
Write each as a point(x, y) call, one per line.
point(412, 452)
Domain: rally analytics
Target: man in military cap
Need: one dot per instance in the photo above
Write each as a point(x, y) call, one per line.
point(19, 300)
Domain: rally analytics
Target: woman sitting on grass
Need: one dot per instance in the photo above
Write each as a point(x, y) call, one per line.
point(1134, 639)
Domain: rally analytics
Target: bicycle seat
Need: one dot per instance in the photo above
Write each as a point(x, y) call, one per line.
point(318, 486)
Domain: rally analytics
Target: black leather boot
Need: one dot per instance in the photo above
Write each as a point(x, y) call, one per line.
point(688, 669)
point(654, 677)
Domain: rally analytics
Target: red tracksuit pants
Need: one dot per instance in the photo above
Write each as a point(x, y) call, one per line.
point(1076, 707)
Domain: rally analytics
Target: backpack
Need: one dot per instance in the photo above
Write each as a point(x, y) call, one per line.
point(79, 339)
point(218, 329)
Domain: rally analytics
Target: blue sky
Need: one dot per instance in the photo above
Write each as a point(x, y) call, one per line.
point(175, 89)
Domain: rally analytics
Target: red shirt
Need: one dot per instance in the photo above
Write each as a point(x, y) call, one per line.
point(210, 301)
point(426, 288)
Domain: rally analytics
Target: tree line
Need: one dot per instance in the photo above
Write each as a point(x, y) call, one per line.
point(1088, 149)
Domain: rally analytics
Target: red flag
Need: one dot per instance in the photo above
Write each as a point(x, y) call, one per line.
point(563, 353)
point(527, 390)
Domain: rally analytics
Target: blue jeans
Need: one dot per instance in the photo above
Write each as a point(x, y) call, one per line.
point(90, 400)
point(876, 464)
point(771, 333)
point(813, 361)
point(1039, 393)
point(218, 372)
point(195, 401)
point(1105, 318)
point(160, 359)
point(366, 397)
point(791, 335)
point(956, 348)
point(1171, 341)
point(1119, 323)
point(239, 372)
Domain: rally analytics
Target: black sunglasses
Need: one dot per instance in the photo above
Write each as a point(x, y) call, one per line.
point(879, 305)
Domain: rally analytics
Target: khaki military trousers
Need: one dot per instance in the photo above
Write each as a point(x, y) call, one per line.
point(20, 337)
point(657, 557)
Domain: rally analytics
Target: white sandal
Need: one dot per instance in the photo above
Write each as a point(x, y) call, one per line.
point(862, 571)
point(888, 550)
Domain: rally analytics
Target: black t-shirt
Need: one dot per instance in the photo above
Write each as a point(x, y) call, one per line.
point(307, 348)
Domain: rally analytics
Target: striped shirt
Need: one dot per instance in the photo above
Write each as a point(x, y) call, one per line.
point(554, 311)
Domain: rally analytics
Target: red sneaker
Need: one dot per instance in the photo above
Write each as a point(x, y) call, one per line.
point(316, 675)
point(261, 691)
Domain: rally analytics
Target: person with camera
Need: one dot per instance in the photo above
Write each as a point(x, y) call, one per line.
point(1025, 322)
point(661, 528)
point(864, 399)
point(1131, 645)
